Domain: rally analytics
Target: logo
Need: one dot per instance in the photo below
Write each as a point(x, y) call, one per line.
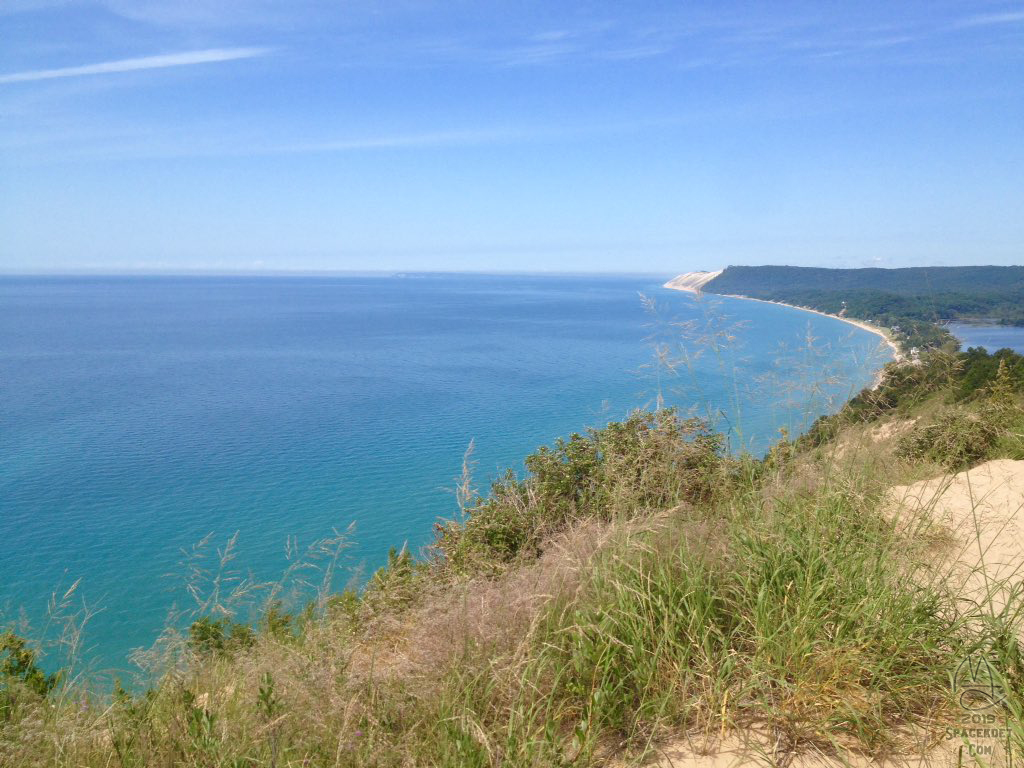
point(976, 685)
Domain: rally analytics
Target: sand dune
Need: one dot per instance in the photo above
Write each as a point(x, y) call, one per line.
point(692, 281)
point(983, 509)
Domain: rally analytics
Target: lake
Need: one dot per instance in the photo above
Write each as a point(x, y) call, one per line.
point(139, 415)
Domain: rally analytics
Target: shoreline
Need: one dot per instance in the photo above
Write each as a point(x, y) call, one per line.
point(879, 331)
point(864, 325)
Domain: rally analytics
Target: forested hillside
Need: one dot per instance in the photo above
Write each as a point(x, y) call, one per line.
point(914, 299)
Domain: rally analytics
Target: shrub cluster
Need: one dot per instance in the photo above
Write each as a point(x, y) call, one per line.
point(21, 677)
point(981, 371)
point(938, 377)
point(965, 435)
point(211, 636)
point(650, 461)
point(956, 439)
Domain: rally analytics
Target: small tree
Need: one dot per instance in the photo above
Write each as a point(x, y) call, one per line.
point(20, 672)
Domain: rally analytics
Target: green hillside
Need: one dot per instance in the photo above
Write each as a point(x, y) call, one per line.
point(915, 298)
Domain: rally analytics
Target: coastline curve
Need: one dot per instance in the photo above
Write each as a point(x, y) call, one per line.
point(694, 282)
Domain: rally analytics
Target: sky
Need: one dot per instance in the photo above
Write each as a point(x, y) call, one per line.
point(264, 135)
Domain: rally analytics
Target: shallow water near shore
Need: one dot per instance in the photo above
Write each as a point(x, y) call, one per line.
point(140, 414)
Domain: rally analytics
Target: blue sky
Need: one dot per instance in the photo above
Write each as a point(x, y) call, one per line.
point(578, 136)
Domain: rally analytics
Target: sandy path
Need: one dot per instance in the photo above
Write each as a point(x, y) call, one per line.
point(983, 508)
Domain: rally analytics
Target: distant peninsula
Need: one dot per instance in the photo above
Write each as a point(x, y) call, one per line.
point(914, 302)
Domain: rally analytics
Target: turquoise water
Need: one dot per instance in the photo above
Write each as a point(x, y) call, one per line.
point(138, 415)
point(991, 337)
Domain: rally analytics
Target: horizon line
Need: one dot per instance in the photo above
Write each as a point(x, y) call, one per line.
point(396, 273)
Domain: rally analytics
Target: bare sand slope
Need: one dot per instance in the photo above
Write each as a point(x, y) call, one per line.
point(692, 281)
point(983, 510)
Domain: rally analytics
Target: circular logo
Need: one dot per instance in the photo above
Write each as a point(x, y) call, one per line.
point(976, 684)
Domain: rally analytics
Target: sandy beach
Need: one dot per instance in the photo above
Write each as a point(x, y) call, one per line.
point(863, 325)
point(693, 282)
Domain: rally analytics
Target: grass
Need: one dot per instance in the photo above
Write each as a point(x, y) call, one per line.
point(796, 615)
point(635, 586)
point(651, 461)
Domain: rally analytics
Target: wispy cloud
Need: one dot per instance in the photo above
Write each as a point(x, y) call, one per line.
point(184, 59)
point(59, 143)
point(992, 19)
point(401, 141)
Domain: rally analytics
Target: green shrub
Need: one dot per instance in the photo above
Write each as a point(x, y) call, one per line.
point(1003, 369)
point(902, 388)
point(208, 636)
point(962, 436)
point(393, 586)
point(956, 440)
point(281, 624)
point(20, 674)
point(18, 663)
point(650, 461)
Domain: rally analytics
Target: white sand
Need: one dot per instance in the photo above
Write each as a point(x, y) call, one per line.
point(862, 324)
point(983, 509)
point(692, 282)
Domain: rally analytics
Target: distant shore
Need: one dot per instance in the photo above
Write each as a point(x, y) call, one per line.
point(693, 282)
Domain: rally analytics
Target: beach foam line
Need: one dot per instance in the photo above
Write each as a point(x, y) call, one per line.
point(694, 282)
point(862, 324)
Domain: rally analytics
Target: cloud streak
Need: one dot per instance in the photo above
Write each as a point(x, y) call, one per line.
point(993, 19)
point(185, 59)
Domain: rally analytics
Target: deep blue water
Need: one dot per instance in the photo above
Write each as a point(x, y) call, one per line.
point(991, 337)
point(138, 415)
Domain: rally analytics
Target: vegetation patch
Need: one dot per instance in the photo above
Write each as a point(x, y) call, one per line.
point(649, 462)
point(911, 301)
